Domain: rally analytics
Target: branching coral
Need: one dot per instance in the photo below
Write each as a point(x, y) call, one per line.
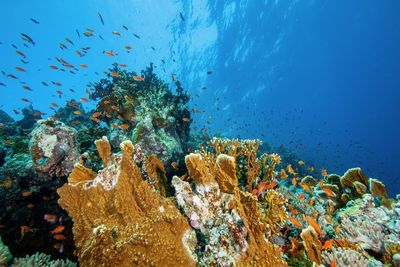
point(347, 257)
point(228, 220)
point(273, 210)
point(41, 260)
point(120, 221)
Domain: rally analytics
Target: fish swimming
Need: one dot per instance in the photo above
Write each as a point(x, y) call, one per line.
point(27, 38)
point(101, 18)
point(35, 21)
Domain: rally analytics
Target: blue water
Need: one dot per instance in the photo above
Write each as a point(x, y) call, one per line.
point(320, 77)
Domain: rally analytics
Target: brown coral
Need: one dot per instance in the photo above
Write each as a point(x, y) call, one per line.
point(157, 175)
point(312, 244)
point(120, 221)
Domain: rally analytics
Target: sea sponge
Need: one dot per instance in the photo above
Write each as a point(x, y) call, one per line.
point(226, 173)
point(352, 175)
point(120, 221)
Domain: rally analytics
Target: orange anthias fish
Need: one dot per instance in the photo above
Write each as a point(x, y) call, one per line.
point(138, 78)
point(128, 47)
point(174, 165)
point(324, 172)
point(124, 126)
point(116, 33)
point(83, 66)
point(77, 112)
point(50, 218)
point(301, 162)
point(27, 194)
point(172, 77)
point(96, 114)
point(115, 75)
point(290, 169)
point(58, 229)
point(327, 244)
point(329, 192)
point(109, 53)
point(333, 263)
point(301, 196)
point(20, 69)
point(306, 187)
point(185, 119)
point(123, 65)
point(84, 99)
point(53, 67)
point(25, 229)
point(284, 175)
point(314, 225)
point(294, 181)
point(295, 222)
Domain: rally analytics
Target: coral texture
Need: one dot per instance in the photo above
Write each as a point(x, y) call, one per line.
point(312, 244)
point(53, 148)
point(348, 257)
point(41, 260)
point(5, 254)
point(120, 221)
point(227, 220)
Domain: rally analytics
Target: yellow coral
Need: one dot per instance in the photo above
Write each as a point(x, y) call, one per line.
point(273, 210)
point(120, 221)
point(157, 174)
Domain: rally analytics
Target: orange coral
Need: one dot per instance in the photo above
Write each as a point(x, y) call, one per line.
point(120, 221)
point(157, 174)
point(312, 244)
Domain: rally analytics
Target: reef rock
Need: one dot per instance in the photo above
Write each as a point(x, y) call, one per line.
point(119, 220)
point(4, 117)
point(227, 219)
point(53, 148)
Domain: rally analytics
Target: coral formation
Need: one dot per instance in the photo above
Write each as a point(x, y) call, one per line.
point(228, 222)
point(120, 220)
point(53, 148)
point(41, 260)
point(5, 255)
point(312, 244)
point(348, 257)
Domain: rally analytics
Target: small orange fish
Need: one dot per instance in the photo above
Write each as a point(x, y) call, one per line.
point(27, 88)
point(84, 99)
point(83, 66)
point(306, 187)
point(109, 53)
point(128, 47)
point(59, 92)
point(25, 229)
point(314, 225)
point(53, 67)
point(327, 244)
point(254, 192)
point(301, 196)
point(88, 34)
point(124, 126)
point(54, 104)
point(30, 206)
point(114, 125)
point(27, 194)
point(20, 53)
point(284, 175)
point(329, 192)
point(59, 237)
point(328, 218)
point(95, 119)
point(174, 165)
point(20, 69)
point(77, 112)
point(58, 229)
point(300, 162)
point(115, 75)
point(271, 185)
point(321, 183)
point(333, 263)
point(50, 218)
point(290, 169)
point(57, 246)
point(138, 78)
point(324, 172)
point(106, 102)
point(116, 33)
point(115, 107)
point(123, 65)
point(295, 222)
point(96, 114)
point(294, 181)
point(185, 119)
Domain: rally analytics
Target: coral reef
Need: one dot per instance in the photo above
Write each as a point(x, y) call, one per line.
point(41, 260)
point(228, 222)
point(119, 220)
point(312, 244)
point(5, 255)
point(348, 257)
point(53, 148)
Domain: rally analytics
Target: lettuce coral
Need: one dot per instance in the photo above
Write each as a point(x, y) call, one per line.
point(120, 221)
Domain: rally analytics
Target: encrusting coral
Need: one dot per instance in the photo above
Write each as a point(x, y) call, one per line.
point(228, 220)
point(120, 221)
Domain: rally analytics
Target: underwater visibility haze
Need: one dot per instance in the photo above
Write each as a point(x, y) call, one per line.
point(200, 133)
